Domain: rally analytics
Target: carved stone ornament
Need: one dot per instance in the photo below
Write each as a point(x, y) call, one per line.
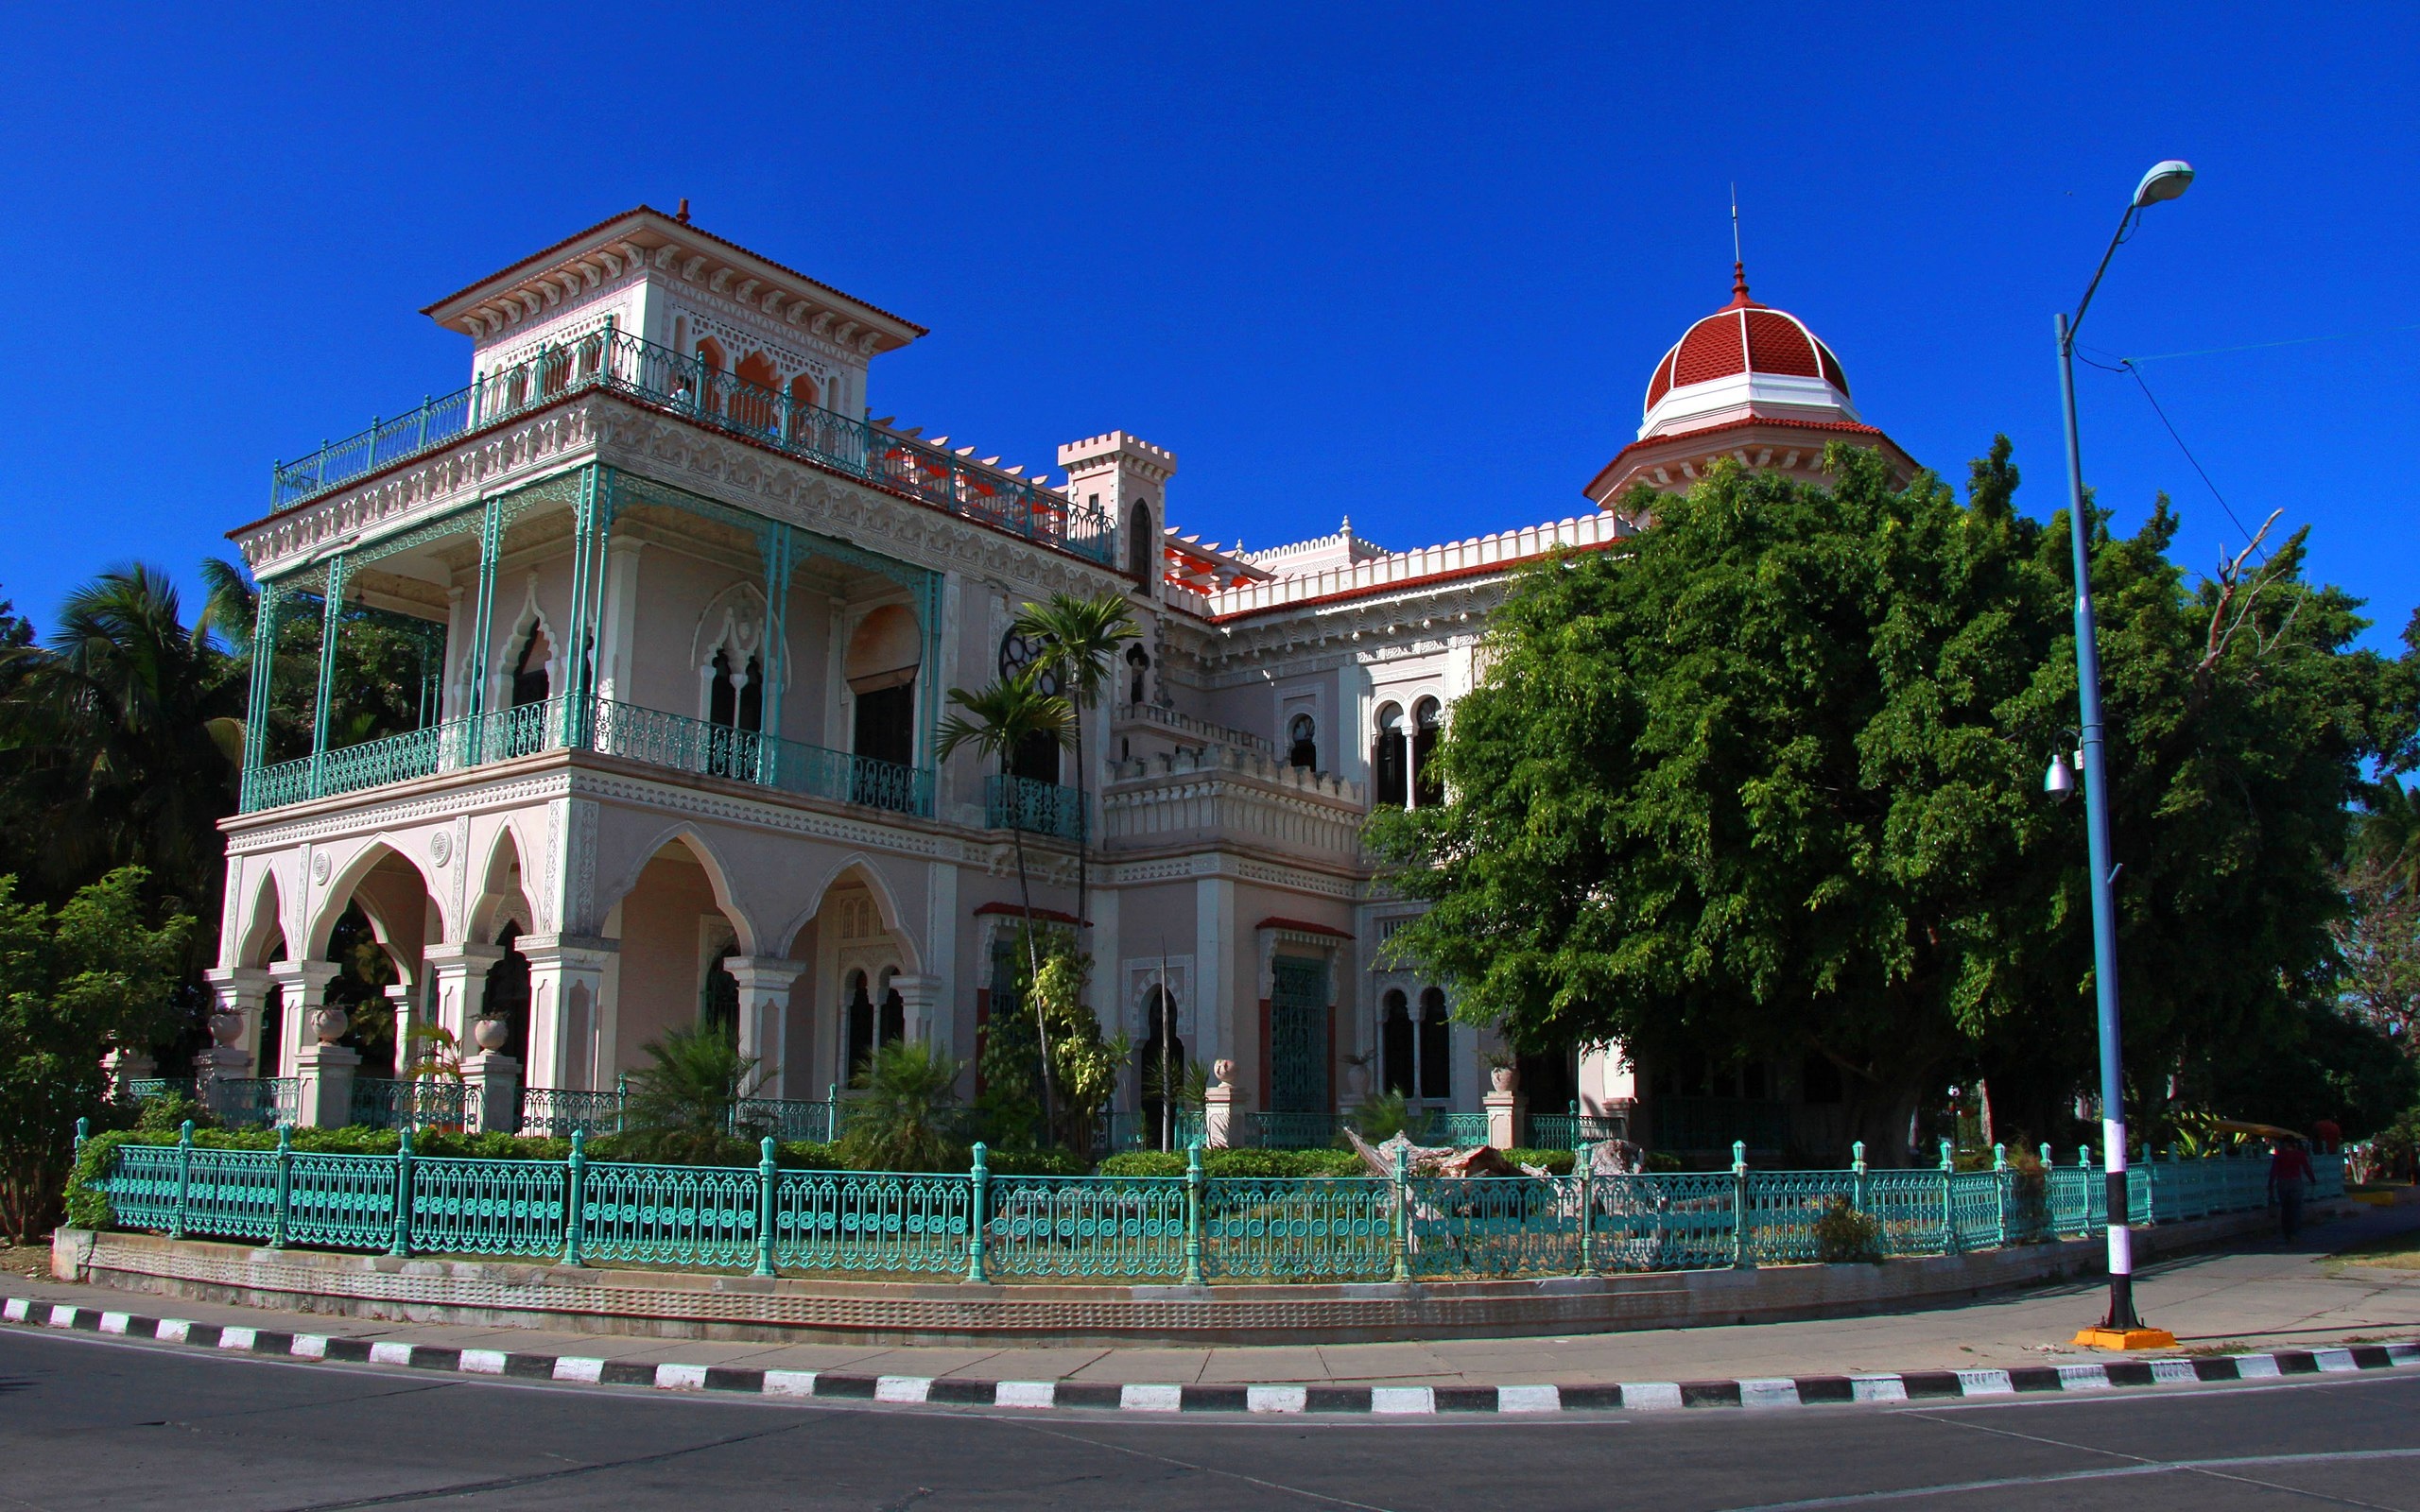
point(440, 847)
point(319, 868)
point(1224, 1071)
point(1502, 1077)
point(330, 1024)
point(226, 1028)
point(492, 1034)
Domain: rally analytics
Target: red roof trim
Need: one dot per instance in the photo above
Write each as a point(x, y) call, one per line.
point(1674, 441)
point(1051, 916)
point(1302, 926)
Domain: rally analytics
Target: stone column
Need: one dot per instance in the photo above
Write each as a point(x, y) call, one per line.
point(325, 1069)
point(765, 985)
point(1224, 1109)
point(492, 1092)
point(921, 999)
point(242, 991)
point(398, 998)
point(457, 976)
point(302, 986)
point(1503, 1105)
point(566, 995)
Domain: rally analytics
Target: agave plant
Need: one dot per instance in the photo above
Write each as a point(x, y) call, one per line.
point(680, 1104)
point(906, 1116)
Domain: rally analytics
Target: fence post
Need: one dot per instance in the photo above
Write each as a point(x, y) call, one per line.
point(1740, 1258)
point(765, 1207)
point(979, 1179)
point(1585, 1160)
point(2007, 1186)
point(1948, 1199)
point(1402, 1271)
point(2084, 1158)
point(402, 1243)
point(576, 1178)
point(184, 1178)
point(1194, 1183)
point(284, 1185)
point(1857, 1177)
point(621, 1101)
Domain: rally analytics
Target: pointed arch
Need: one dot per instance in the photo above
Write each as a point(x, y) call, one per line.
point(859, 868)
point(262, 930)
point(718, 878)
point(497, 902)
point(344, 888)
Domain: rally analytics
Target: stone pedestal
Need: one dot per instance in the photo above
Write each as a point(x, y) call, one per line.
point(302, 988)
point(1504, 1108)
point(241, 990)
point(492, 1093)
point(766, 982)
point(458, 976)
point(326, 1094)
point(566, 995)
point(1223, 1107)
point(123, 1066)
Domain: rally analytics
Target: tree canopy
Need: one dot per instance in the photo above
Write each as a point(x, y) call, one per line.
point(1766, 779)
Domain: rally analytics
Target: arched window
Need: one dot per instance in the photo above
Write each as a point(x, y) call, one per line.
point(1395, 1044)
point(805, 401)
point(530, 672)
point(1428, 782)
point(1138, 670)
point(718, 995)
point(892, 1027)
point(1161, 1064)
point(884, 656)
point(506, 995)
point(1436, 1046)
point(1303, 742)
point(710, 359)
point(1386, 759)
point(858, 1026)
point(1142, 545)
point(737, 697)
point(1036, 760)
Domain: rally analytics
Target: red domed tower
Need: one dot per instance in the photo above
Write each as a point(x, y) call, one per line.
point(1748, 382)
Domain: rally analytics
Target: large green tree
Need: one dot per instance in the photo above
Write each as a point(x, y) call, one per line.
point(1765, 779)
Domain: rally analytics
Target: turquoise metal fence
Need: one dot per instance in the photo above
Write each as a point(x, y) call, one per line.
point(1174, 1228)
point(1040, 808)
point(556, 1113)
point(378, 1103)
point(1566, 1130)
point(658, 375)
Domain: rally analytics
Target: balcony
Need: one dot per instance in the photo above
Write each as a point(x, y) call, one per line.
point(610, 729)
point(1183, 727)
point(617, 362)
point(1222, 794)
point(1038, 808)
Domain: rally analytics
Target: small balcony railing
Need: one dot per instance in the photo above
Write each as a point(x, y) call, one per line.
point(614, 729)
point(657, 375)
point(1037, 808)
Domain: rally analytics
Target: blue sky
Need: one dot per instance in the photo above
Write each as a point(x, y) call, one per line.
point(1407, 264)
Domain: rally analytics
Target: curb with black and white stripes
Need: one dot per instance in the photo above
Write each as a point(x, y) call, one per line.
point(1629, 1395)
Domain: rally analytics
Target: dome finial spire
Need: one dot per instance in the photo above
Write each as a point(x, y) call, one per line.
point(1738, 263)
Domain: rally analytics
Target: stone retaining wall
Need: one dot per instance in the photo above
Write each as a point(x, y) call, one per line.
point(688, 1305)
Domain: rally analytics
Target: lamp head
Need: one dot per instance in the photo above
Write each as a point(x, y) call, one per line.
point(2165, 181)
point(2060, 780)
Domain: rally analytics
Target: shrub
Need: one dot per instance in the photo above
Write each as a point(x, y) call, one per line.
point(909, 1118)
point(1044, 1162)
point(1381, 1116)
point(680, 1106)
point(1554, 1162)
point(1844, 1235)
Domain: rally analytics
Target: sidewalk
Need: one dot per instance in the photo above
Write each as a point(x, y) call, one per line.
point(2267, 1297)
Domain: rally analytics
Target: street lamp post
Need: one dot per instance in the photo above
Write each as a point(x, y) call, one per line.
point(2122, 1328)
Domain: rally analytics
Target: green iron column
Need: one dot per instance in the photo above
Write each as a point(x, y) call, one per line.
point(482, 631)
point(774, 543)
point(257, 697)
point(322, 705)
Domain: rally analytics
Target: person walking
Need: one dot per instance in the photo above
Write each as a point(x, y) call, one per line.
point(2290, 1176)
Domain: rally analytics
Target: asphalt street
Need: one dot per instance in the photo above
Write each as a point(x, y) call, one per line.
point(88, 1422)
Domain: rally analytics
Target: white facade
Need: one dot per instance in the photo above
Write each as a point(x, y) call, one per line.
point(726, 802)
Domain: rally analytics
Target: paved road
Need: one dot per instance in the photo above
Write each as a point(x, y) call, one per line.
point(87, 1423)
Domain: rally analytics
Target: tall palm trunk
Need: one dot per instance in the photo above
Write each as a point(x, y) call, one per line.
point(1034, 975)
point(1084, 830)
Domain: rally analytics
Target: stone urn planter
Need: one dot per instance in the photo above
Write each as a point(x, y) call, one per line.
point(1224, 1071)
point(1502, 1077)
point(226, 1028)
point(491, 1034)
point(1356, 1080)
point(330, 1024)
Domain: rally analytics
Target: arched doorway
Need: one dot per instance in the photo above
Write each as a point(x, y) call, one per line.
point(1161, 1064)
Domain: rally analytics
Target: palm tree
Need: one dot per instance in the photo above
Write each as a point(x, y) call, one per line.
point(130, 730)
point(909, 1118)
point(997, 721)
point(1079, 640)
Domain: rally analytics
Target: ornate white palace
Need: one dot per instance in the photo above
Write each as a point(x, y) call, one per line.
point(690, 614)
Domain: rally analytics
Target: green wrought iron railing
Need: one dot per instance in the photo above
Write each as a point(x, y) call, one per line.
point(640, 369)
point(1443, 1126)
point(612, 728)
point(420, 1103)
point(237, 1102)
point(1038, 808)
point(1571, 1129)
point(555, 1113)
point(1191, 1229)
